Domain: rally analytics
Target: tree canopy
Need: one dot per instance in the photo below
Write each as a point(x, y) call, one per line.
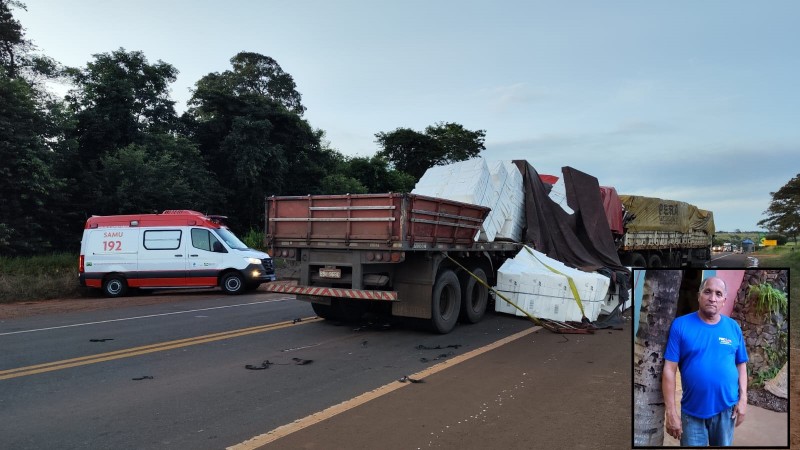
point(443, 143)
point(783, 214)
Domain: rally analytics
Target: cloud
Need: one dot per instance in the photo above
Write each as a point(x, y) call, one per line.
point(504, 98)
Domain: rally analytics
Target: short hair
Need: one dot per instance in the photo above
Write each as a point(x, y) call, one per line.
point(703, 284)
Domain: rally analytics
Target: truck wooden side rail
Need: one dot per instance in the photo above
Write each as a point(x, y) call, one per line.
point(386, 251)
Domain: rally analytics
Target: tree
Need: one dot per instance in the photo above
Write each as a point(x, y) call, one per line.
point(26, 180)
point(261, 75)
point(12, 38)
point(118, 97)
point(30, 190)
point(414, 152)
point(659, 304)
point(163, 172)
point(375, 174)
point(783, 214)
point(248, 126)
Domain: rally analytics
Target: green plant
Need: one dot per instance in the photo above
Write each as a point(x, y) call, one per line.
point(254, 239)
point(768, 299)
point(763, 376)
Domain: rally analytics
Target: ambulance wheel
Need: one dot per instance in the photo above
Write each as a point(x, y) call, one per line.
point(476, 296)
point(232, 283)
point(445, 302)
point(115, 286)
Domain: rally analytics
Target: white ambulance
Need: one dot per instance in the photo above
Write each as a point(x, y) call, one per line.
point(175, 249)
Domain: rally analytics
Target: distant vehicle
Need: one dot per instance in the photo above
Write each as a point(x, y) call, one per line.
point(664, 233)
point(175, 249)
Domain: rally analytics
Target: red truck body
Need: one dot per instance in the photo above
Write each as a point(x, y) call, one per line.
point(354, 250)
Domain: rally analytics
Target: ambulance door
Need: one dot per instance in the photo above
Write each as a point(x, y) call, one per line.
point(162, 258)
point(206, 255)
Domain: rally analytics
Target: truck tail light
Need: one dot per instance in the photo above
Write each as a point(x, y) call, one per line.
point(80, 264)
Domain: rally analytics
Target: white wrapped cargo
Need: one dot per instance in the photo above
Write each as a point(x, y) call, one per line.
point(511, 199)
point(466, 181)
point(527, 281)
point(497, 185)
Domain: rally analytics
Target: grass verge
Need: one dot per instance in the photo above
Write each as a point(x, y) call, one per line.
point(39, 278)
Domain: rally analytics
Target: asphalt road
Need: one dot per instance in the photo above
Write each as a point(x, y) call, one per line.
point(172, 375)
point(728, 260)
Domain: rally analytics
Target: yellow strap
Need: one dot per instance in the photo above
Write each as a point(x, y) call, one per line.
point(571, 282)
point(530, 316)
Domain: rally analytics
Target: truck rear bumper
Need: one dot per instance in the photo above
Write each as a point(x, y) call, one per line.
point(357, 294)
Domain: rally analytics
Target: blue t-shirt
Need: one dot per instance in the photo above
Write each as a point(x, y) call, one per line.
point(707, 356)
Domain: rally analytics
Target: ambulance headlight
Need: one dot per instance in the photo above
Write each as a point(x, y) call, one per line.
point(253, 260)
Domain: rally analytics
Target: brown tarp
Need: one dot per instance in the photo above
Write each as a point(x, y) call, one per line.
point(583, 239)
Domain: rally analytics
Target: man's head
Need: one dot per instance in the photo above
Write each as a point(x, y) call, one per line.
point(711, 297)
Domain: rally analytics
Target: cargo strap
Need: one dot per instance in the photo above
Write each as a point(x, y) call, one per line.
point(551, 325)
point(571, 282)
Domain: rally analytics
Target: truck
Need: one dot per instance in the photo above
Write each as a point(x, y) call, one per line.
point(663, 233)
point(426, 257)
point(404, 254)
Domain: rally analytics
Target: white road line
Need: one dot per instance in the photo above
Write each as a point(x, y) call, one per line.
point(723, 256)
point(144, 317)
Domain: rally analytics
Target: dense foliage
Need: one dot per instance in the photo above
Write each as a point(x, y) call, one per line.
point(783, 214)
point(116, 145)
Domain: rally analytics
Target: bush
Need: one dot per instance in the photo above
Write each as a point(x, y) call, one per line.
point(254, 239)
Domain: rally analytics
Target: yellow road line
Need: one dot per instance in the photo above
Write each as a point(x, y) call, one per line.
point(297, 425)
point(136, 351)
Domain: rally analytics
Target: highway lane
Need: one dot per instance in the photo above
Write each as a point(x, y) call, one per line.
point(728, 260)
point(200, 394)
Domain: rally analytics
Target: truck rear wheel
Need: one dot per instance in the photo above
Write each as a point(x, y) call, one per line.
point(341, 309)
point(654, 262)
point(637, 260)
point(445, 302)
point(323, 311)
point(476, 296)
point(115, 286)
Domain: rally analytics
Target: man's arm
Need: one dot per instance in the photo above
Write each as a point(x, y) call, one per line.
point(668, 377)
point(741, 407)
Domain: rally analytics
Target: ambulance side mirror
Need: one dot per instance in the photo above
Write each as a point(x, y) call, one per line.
point(218, 248)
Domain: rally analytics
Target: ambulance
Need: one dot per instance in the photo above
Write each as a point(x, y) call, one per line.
point(174, 249)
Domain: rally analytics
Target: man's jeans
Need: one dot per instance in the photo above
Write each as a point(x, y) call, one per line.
point(715, 431)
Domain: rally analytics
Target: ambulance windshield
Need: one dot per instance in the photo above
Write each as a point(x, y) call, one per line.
point(231, 239)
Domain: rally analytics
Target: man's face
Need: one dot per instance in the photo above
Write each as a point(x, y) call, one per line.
point(711, 297)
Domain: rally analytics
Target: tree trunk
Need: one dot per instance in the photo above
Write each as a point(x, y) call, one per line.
point(659, 303)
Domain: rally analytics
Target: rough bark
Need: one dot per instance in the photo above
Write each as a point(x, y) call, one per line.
point(659, 304)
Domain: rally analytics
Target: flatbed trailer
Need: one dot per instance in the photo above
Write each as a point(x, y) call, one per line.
point(405, 253)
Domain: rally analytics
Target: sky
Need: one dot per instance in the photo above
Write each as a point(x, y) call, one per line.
point(697, 101)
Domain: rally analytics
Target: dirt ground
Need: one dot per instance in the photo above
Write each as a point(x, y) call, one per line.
point(57, 306)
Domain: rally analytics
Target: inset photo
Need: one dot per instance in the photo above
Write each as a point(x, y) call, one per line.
point(711, 358)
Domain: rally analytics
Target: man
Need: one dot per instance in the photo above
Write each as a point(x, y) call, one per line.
point(710, 351)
